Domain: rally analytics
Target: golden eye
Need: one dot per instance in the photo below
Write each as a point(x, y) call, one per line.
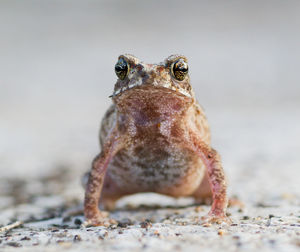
point(179, 69)
point(122, 69)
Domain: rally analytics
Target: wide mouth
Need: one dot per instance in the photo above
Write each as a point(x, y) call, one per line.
point(151, 96)
point(166, 88)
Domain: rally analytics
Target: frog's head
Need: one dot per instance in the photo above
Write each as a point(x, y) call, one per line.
point(170, 75)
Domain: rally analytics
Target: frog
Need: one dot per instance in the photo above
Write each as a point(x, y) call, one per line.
point(154, 138)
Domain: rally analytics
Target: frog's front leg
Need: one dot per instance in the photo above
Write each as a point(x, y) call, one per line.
point(93, 215)
point(216, 178)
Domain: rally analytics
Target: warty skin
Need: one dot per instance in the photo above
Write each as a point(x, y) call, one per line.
point(154, 138)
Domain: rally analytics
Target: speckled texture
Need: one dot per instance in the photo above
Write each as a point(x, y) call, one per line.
point(268, 221)
point(56, 77)
point(167, 229)
point(155, 138)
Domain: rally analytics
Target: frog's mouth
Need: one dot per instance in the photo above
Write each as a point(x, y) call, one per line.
point(146, 98)
point(166, 86)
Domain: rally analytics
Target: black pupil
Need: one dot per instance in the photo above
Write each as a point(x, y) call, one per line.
point(181, 68)
point(121, 69)
point(121, 66)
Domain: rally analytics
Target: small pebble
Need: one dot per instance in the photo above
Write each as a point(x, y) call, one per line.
point(26, 238)
point(14, 244)
point(221, 232)
point(206, 225)
point(101, 237)
point(77, 221)
point(124, 223)
point(156, 232)
point(198, 209)
point(77, 238)
point(146, 224)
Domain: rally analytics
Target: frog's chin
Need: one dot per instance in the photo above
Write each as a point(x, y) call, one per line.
point(166, 88)
point(148, 104)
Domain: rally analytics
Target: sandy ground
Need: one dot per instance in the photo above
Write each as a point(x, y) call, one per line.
point(264, 180)
point(56, 73)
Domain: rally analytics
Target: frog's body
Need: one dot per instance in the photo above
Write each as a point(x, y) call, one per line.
point(154, 138)
point(155, 161)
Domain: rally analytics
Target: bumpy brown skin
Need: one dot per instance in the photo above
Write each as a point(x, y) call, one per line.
point(154, 138)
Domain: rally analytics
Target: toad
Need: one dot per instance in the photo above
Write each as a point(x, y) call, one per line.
point(154, 138)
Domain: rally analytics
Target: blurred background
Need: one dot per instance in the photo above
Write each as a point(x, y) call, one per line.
point(57, 70)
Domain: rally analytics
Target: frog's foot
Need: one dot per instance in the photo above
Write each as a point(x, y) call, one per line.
point(106, 222)
point(213, 218)
point(95, 222)
point(101, 219)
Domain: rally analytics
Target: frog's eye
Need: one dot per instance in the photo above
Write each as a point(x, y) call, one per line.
point(179, 69)
point(121, 69)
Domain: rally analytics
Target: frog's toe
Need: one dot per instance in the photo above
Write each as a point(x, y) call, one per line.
point(100, 219)
point(95, 222)
point(216, 219)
